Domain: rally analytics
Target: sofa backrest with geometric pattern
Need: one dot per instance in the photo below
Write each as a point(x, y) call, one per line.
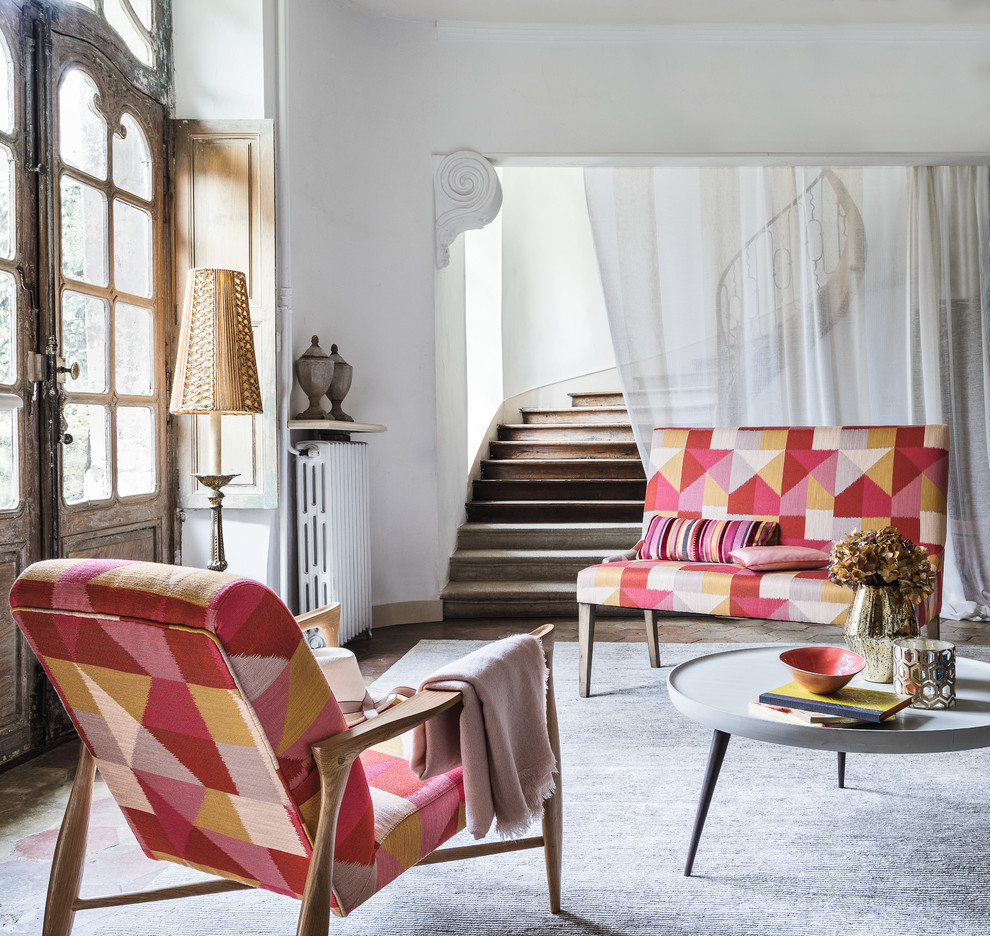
point(818, 482)
point(199, 698)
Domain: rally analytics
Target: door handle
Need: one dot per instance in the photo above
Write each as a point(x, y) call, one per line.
point(72, 370)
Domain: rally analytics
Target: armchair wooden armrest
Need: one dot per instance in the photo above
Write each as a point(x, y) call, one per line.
point(391, 723)
point(326, 620)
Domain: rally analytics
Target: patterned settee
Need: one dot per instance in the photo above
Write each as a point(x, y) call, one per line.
point(817, 483)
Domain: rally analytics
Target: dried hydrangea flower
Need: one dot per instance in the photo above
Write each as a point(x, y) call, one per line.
point(883, 558)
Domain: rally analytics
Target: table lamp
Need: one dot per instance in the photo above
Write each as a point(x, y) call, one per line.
point(216, 371)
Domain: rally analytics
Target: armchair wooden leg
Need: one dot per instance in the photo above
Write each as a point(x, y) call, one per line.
point(70, 851)
point(652, 638)
point(553, 807)
point(586, 645)
point(314, 913)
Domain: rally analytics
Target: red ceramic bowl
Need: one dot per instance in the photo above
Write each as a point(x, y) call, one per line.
point(822, 669)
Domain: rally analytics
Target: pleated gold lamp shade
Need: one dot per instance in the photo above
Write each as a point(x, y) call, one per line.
point(216, 371)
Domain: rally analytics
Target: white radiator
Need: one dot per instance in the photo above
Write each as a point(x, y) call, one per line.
point(333, 519)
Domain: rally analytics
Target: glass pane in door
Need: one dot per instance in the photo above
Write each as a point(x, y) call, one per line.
point(8, 459)
point(132, 159)
point(131, 249)
point(133, 342)
point(82, 131)
point(85, 331)
point(143, 10)
point(86, 460)
point(7, 207)
point(135, 450)
point(135, 39)
point(8, 328)
point(84, 232)
point(6, 87)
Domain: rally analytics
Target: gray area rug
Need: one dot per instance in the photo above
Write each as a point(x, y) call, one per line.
point(904, 849)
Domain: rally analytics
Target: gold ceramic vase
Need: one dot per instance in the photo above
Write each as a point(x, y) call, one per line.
point(877, 617)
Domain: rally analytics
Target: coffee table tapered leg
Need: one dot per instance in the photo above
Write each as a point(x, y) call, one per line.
point(720, 741)
point(842, 770)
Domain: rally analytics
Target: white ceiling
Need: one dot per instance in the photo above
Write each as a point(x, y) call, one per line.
point(682, 12)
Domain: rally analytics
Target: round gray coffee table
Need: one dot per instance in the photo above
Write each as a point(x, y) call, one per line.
point(716, 690)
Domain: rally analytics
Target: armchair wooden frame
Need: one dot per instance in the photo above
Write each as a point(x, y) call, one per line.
point(334, 757)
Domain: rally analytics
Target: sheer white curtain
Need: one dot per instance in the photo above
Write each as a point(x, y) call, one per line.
point(804, 296)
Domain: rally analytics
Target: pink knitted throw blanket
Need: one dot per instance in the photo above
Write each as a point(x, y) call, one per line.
point(498, 734)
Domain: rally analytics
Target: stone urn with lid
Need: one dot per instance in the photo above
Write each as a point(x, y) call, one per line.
point(341, 383)
point(314, 372)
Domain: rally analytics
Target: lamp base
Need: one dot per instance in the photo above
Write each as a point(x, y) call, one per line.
point(218, 562)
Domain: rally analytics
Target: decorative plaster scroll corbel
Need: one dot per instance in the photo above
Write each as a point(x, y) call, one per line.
point(466, 195)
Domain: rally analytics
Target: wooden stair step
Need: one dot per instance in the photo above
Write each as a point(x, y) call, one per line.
point(560, 489)
point(535, 468)
point(549, 449)
point(606, 537)
point(562, 511)
point(485, 565)
point(583, 414)
point(520, 599)
point(597, 398)
point(565, 432)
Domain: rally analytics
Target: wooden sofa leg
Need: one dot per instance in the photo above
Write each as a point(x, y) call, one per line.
point(70, 851)
point(586, 644)
point(652, 638)
point(934, 628)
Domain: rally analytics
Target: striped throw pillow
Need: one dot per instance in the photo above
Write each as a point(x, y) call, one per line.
point(703, 540)
point(672, 538)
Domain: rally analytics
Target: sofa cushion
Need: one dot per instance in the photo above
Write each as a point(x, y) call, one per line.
point(699, 540)
point(777, 558)
point(719, 589)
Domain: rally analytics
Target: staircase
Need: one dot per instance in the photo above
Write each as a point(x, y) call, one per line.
point(560, 491)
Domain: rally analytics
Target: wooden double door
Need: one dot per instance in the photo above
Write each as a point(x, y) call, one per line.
point(84, 302)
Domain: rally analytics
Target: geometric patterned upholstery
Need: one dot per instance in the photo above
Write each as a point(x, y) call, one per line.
point(200, 700)
point(412, 817)
point(817, 482)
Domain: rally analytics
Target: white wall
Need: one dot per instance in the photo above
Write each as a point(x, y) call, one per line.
point(436, 540)
point(482, 331)
point(371, 100)
point(554, 324)
point(219, 59)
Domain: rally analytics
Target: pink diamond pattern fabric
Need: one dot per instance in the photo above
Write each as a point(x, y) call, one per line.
point(815, 483)
point(200, 700)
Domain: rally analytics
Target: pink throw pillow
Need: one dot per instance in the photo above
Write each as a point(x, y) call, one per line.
point(770, 558)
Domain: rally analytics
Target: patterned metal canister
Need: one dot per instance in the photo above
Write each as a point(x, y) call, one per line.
point(925, 669)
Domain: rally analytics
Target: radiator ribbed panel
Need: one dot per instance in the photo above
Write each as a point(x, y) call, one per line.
point(333, 519)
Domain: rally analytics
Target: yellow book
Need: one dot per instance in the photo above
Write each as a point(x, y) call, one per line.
point(854, 701)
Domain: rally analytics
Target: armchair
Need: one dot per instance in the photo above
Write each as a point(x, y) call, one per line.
point(200, 702)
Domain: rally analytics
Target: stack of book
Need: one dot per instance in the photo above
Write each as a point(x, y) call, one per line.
point(851, 705)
